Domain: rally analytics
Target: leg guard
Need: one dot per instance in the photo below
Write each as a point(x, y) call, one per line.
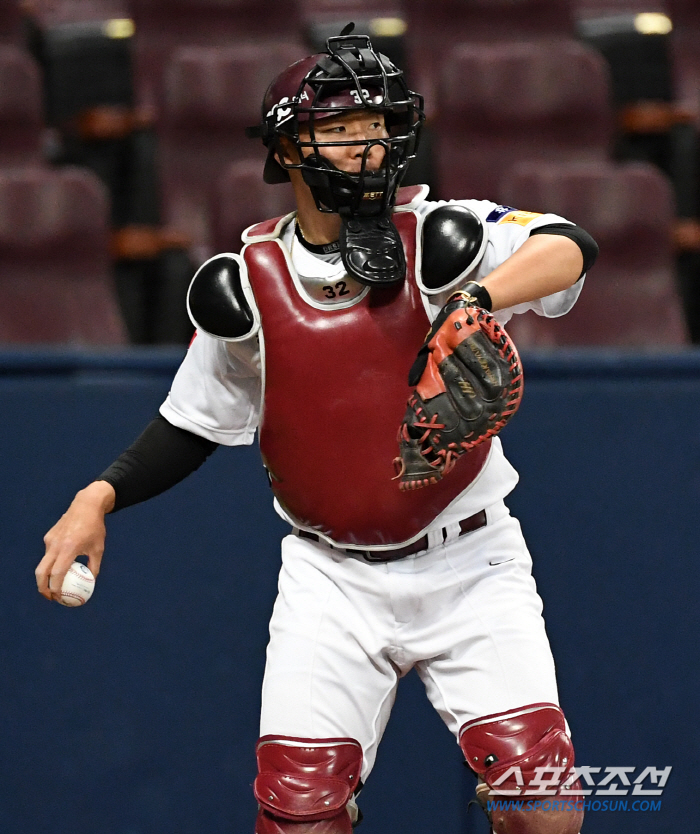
point(522, 758)
point(304, 785)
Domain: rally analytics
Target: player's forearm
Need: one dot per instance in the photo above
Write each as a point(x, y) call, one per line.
point(157, 460)
point(543, 265)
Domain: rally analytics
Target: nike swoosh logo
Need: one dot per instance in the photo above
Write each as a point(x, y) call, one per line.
point(505, 561)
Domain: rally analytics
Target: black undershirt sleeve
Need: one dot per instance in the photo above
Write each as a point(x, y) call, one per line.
point(161, 457)
point(588, 246)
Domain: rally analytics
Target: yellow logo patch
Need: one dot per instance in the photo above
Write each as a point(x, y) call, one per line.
point(522, 218)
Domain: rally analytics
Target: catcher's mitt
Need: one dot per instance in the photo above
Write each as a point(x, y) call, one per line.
point(469, 383)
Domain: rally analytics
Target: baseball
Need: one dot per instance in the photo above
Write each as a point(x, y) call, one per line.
point(78, 585)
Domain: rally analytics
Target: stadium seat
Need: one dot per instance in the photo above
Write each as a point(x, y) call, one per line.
point(162, 26)
point(685, 42)
point(522, 102)
point(232, 214)
point(435, 26)
point(212, 95)
point(75, 42)
point(57, 12)
point(20, 108)
point(630, 297)
point(55, 283)
point(490, 20)
point(608, 8)
point(313, 9)
point(9, 21)
point(655, 77)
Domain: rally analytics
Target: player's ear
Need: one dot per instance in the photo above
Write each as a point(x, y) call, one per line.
point(286, 152)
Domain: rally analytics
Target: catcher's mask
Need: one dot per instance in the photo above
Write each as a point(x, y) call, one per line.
point(349, 77)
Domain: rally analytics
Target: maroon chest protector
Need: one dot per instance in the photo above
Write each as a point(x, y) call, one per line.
point(335, 395)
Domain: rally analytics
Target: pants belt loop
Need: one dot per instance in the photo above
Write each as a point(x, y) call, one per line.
point(434, 538)
point(451, 532)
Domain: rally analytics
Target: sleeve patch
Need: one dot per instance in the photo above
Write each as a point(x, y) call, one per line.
point(498, 213)
point(522, 218)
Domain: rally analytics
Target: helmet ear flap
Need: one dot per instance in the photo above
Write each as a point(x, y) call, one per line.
point(274, 173)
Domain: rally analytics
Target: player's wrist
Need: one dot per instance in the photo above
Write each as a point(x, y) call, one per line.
point(480, 294)
point(99, 495)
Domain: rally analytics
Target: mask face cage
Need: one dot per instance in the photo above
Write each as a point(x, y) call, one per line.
point(352, 78)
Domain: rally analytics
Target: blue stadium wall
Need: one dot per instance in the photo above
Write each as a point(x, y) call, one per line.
point(137, 714)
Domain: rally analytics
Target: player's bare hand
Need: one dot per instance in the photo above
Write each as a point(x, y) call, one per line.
point(79, 532)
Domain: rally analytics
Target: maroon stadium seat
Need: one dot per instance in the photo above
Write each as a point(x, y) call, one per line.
point(685, 42)
point(55, 282)
point(212, 94)
point(338, 13)
point(491, 20)
point(435, 26)
point(606, 8)
point(56, 12)
point(164, 25)
point(9, 21)
point(449, 21)
point(502, 103)
point(630, 297)
point(20, 108)
point(242, 199)
point(335, 8)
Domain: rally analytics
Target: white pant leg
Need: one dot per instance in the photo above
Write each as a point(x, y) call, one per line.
point(489, 651)
point(329, 671)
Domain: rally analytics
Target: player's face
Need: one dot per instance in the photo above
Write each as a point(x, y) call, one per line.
point(361, 126)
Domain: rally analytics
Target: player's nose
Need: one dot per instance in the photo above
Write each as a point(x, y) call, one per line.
point(375, 152)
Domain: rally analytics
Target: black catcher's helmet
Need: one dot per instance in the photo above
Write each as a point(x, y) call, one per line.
point(349, 77)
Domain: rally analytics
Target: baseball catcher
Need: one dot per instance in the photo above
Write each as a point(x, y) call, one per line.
point(305, 338)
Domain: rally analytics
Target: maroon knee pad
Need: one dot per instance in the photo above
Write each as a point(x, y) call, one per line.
point(524, 756)
point(304, 785)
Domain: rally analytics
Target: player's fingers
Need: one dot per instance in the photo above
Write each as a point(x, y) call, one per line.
point(79, 532)
point(62, 565)
point(42, 573)
point(69, 552)
point(46, 565)
point(55, 583)
point(57, 574)
point(60, 555)
point(95, 561)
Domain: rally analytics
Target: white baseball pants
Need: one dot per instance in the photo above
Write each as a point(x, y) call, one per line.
point(465, 613)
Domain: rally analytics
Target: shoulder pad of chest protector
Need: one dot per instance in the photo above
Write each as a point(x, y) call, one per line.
point(453, 240)
point(217, 300)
